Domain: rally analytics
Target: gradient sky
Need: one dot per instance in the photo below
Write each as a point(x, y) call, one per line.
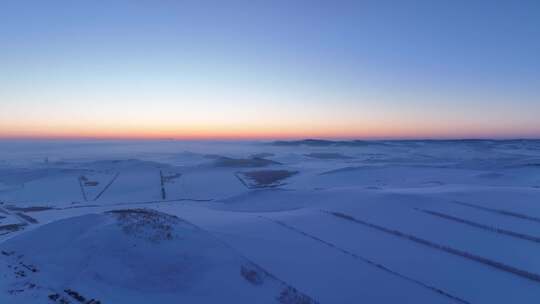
point(269, 69)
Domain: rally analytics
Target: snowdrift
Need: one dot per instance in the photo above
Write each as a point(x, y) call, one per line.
point(132, 256)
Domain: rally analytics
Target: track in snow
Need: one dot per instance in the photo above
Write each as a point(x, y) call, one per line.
point(497, 265)
point(499, 211)
point(514, 234)
point(370, 262)
point(107, 186)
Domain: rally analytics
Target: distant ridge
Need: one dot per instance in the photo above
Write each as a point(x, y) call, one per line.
point(322, 142)
point(356, 142)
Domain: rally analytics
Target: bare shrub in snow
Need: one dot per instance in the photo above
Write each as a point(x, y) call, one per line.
point(147, 224)
point(290, 295)
point(252, 275)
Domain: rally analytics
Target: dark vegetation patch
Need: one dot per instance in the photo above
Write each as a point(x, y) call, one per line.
point(146, 224)
point(290, 295)
point(29, 267)
point(243, 162)
point(20, 274)
point(23, 271)
point(20, 268)
point(12, 227)
point(15, 291)
point(54, 297)
point(252, 275)
point(75, 295)
point(29, 209)
point(328, 155)
point(265, 178)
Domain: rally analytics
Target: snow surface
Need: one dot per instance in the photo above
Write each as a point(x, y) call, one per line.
point(261, 222)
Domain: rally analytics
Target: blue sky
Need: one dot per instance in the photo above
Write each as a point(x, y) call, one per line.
point(364, 69)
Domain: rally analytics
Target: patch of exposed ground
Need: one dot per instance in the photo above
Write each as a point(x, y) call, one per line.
point(243, 162)
point(267, 178)
point(328, 155)
point(6, 229)
point(28, 209)
point(147, 224)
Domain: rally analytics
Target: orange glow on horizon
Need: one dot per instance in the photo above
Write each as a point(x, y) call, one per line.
point(246, 133)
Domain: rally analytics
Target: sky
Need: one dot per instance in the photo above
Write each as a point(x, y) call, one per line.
point(269, 69)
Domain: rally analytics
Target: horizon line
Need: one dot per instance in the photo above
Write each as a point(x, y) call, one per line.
point(217, 138)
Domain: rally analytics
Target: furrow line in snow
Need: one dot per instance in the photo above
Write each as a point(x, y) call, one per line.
point(266, 272)
point(4, 211)
point(481, 226)
point(26, 218)
point(368, 261)
point(237, 174)
point(494, 264)
point(499, 211)
point(107, 186)
point(137, 203)
point(82, 189)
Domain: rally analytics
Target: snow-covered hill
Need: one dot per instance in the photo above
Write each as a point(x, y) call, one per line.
point(284, 222)
point(132, 256)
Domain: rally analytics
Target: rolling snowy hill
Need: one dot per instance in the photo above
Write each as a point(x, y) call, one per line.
point(281, 222)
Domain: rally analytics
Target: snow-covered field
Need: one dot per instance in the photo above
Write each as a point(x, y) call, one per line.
point(270, 222)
